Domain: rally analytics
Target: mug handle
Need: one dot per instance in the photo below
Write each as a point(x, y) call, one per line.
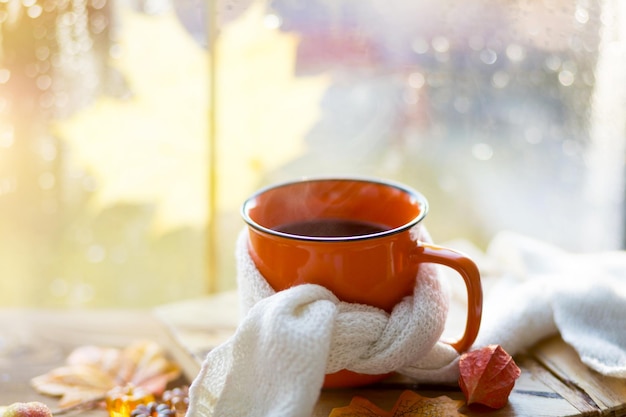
point(428, 252)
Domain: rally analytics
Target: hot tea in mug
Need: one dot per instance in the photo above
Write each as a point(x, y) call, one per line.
point(355, 237)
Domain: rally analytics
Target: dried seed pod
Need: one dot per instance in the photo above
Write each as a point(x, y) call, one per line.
point(26, 409)
point(487, 376)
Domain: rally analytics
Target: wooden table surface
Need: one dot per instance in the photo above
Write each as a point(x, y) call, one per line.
point(553, 382)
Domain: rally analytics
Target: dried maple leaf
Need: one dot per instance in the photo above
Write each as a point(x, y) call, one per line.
point(487, 376)
point(90, 372)
point(360, 407)
point(409, 404)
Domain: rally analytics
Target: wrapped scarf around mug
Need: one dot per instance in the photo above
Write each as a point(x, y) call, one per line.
point(276, 362)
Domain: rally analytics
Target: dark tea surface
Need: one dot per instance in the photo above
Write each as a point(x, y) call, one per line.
point(331, 228)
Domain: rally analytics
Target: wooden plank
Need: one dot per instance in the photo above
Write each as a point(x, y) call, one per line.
point(530, 397)
point(608, 394)
point(570, 394)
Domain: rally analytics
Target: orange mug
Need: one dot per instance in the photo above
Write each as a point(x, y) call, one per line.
point(352, 236)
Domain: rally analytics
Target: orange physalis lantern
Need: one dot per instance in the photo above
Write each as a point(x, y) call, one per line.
point(487, 376)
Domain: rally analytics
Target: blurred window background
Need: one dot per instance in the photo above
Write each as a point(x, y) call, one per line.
point(132, 130)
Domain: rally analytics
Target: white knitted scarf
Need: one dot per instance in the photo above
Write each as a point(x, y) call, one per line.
point(275, 363)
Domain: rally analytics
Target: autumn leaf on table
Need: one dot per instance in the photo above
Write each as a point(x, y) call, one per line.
point(409, 404)
point(487, 376)
point(361, 407)
point(145, 365)
point(90, 372)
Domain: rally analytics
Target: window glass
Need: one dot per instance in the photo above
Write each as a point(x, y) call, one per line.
point(103, 155)
point(507, 115)
point(132, 130)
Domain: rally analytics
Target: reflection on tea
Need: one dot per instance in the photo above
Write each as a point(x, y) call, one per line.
point(331, 228)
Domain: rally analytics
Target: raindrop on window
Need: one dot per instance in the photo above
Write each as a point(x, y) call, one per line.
point(115, 51)
point(442, 57)
point(44, 82)
point(42, 53)
point(271, 21)
point(462, 104)
point(82, 293)
point(43, 66)
point(155, 7)
point(40, 32)
point(441, 44)
point(536, 77)
point(588, 78)
point(607, 19)
point(48, 151)
point(61, 99)
point(570, 66)
point(566, 78)
point(553, 63)
point(575, 43)
point(439, 130)
point(98, 23)
point(31, 70)
point(8, 185)
point(5, 75)
point(533, 135)
point(46, 100)
point(435, 80)
point(448, 183)
point(7, 136)
point(482, 151)
point(571, 148)
point(417, 80)
point(34, 11)
point(420, 46)
point(488, 56)
point(89, 184)
point(46, 181)
point(581, 15)
point(500, 79)
point(56, 61)
point(68, 19)
point(119, 255)
point(515, 52)
point(49, 206)
point(96, 253)
point(410, 96)
point(477, 43)
point(98, 4)
point(58, 288)
point(83, 236)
